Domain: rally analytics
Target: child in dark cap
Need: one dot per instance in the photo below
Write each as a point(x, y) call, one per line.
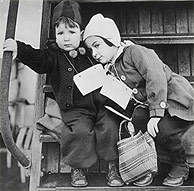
point(90, 130)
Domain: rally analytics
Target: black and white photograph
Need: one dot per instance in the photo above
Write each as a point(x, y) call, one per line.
point(96, 95)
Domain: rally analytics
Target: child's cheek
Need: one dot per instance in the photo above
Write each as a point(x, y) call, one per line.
point(58, 43)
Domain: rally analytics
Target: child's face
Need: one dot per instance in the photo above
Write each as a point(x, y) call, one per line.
point(67, 38)
point(101, 52)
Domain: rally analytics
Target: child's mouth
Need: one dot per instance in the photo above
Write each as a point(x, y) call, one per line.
point(67, 45)
point(98, 59)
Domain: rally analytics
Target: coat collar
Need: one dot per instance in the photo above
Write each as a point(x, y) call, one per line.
point(121, 49)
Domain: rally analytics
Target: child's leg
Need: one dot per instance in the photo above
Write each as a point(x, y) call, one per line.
point(78, 139)
point(106, 128)
point(169, 127)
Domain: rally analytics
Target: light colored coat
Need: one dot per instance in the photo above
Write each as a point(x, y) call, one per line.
point(140, 68)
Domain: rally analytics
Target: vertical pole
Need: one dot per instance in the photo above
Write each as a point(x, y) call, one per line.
point(4, 89)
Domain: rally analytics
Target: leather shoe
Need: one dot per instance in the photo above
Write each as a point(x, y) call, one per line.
point(144, 181)
point(174, 181)
point(113, 177)
point(78, 178)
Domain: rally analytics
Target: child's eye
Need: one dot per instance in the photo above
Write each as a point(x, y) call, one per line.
point(96, 45)
point(71, 31)
point(60, 33)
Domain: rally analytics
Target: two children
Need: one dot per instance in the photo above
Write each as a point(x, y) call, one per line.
point(169, 96)
point(90, 130)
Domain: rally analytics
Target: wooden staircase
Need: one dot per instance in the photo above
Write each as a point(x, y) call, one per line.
point(56, 176)
point(148, 24)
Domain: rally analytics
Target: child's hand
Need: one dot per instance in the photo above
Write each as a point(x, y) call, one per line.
point(152, 126)
point(10, 45)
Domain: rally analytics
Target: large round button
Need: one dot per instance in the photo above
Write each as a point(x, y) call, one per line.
point(135, 91)
point(123, 78)
point(70, 69)
point(163, 105)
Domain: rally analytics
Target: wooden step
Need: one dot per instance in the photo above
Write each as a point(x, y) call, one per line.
point(61, 182)
point(125, 188)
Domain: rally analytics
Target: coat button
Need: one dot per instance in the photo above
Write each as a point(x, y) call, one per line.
point(67, 105)
point(163, 105)
point(123, 78)
point(69, 69)
point(135, 91)
point(69, 87)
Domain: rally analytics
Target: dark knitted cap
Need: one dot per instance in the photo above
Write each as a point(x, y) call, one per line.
point(67, 8)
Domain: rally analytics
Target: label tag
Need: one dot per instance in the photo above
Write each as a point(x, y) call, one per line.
point(117, 91)
point(90, 79)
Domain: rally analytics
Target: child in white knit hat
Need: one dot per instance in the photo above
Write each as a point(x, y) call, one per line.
point(169, 96)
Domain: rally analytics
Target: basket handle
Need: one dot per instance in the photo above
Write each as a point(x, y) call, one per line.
point(129, 130)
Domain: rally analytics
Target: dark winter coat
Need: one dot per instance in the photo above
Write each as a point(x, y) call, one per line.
point(58, 65)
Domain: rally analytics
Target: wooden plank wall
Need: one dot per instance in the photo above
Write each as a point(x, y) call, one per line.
point(178, 57)
point(158, 18)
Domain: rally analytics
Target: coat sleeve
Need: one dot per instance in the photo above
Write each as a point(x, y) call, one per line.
point(38, 60)
point(149, 65)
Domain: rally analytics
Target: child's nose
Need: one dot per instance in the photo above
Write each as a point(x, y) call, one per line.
point(66, 37)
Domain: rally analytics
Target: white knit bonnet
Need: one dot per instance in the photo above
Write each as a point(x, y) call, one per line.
point(103, 27)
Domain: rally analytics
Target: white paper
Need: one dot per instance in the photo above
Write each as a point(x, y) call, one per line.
point(117, 91)
point(90, 79)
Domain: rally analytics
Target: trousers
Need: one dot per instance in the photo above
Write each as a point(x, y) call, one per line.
point(168, 136)
point(87, 137)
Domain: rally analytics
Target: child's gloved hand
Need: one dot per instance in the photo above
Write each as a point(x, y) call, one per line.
point(10, 45)
point(152, 126)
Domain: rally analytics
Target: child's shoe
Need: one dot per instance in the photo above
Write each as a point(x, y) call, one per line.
point(144, 181)
point(78, 178)
point(113, 177)
point(177, 176)
point(174, 181)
